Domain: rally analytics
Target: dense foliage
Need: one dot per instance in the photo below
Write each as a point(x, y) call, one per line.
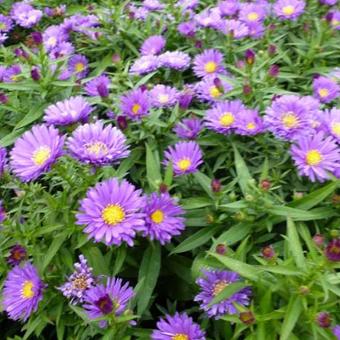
point(170, 170)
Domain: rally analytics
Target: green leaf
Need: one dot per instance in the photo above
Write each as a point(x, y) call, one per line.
point(149, 271)
point(292, 314)
point(205, 182)
point(234, 234)
point(169, 174)
point(281, 270)
point(53, 249)
point(153, 171)
point(242, 171)
point(228, 291)
point(195, 240)
point(302, 215)
point(294, 244)
point(195, 203)
point(34, 114)
point(96, 260)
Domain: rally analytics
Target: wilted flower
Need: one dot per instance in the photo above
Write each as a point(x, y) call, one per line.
point(22, 292)
point(177, 327)
point(17, 254)
point(25, 15)
point(247, 317)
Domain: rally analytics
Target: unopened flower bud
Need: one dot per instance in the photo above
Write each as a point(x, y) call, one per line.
point(216, 185)
point(163, 188)
point(247, 317)
point(319, 240)
point(268, 252)
point(249, 56)
point(323, 319)
point(221, 249)
point(122, 122)
point(265, 184)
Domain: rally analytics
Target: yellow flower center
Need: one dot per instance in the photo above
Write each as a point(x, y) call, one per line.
point(253, 16)
point(184, 164)
point(79, 67)
point(288, 10)
point(41, 155)
point(336, 129)
point(97, 148)
point(251, 126)
point(323, 93)
point(215, 92)
point(27, 290)
point(313, 157)
point(80, 282)
point(218, 287)
point(163, 98)
point(335, 22)
point(113, 214)
point(290, 120)
point(51, 41)
point(180, 336)
point(227, 119)
point(2, 26)
point(14, 77)
point(210, 67)
point(157, 216)
point(136, 108)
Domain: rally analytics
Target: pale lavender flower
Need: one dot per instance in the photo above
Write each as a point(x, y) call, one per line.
point(145, 64)
point(175, 60)
point(163, 96)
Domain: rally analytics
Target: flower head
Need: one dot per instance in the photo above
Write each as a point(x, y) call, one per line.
point(325, 89)
point(25, 15)
point(249, 123)
point(53, 36)
point(70, 111)
point(332, 250)
point(331, 122)
point(80, 281)
point(336, 331)
point(288, 9)
point(185, 157)
point(153, 45)
point(235, 28)
point(177, 327)
point(163, 96)
point(111, 212)
point(78, 65)
point(252, 13)
point(145, 64)
point(135, 104)
point(22, 292)
point(212, 89)
point(212, 284)
point(112, 298)
point(3, 160)
point(163, 218)
point(176, 60)
point(98, 144)
point(6, 23)
point(17, 254)
point(35, 152)
point(315, 155)
point(188, 128)
point(208, 63)
point(98, 86)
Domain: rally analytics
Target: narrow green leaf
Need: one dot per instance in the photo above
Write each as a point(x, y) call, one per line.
point(228, 291)
point(302, 215)
point(292, 315)
point(242, 171)
point(153, 171)
point(281, 270)
point(205, 182)
point(294, 244)
point(234, 234)
point(195, 203)
point(53, 249)
point(168, 174)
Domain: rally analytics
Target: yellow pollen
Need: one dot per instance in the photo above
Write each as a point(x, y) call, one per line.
point(27, 290)
point(251, 126)
point(14, 77)
point(184, 164)
point(313, 157)
point(80, 282)
point(136, 108)
point(215, 92)
point(2, 26)
point(113, 214)
point(323, 93)
point(288, 10)
point(97, 148)
point(334, 250)
point(210, 67)
point(253, 16)
point(290, 120)
point(227, 119)
point(163, 98)
point(180, 336)
point(51, 41)
point(41, 155)
point(79, 67)
point(157, 216)
point(218, 287)
point(335, 127)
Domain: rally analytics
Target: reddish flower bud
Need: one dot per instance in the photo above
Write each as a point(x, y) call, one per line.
point(268, 252)
point(3, 98)
point(265, 184)
point(221, 249)
point(37, 38)
point(216, 185)
point(323, 319)
point(122, 122)
point(271, 50)
point(116, 58)
point(304, 290)
point(332, 250)
point(198, 44)
point(35, 73)
point(163, 188)
point(247, 317)
point(247, 90)
point(274, 71)
point(249, 56)
point(319, 240)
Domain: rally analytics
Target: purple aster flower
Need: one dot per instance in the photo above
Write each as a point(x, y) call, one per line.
point(325, 89)
point(177, 327)
point(98, 86)
point(328, 2)
point(334, 19)
point(145, 64)
point(186, 157)
point(53, 36)
point(229, 7)
point(25, 15)
point(80, 281)
point(35, 152)
point(235, 28)
point(331, 120)
point(212, 284)
point(186, 96)
point(288, 117)
point(78, 65)
point(135, 104)
point(332, 250)
point(2, 213)
point(98, 144)
point(72, 110)
point(3, 38)
point(252, 13)
point(163, 218)
point(188, 4)
point(17, 254)
point(64, 49)
point(176, 60)
point(3, 159)
point(249, 123)
point(187, 29)
point(103, 300)
point(211, 89)
point(256, 30)
point(315, 156)
point(22, 292)
point(209, 18)
point(335, 74)
point(6, 23)
point(208, 63)
point(223, 116)
point(153, 45)
point(288, 9)
point(85, 24)
point(323, 319)
point(163, 96)
point(188, 128)
point(110, 212)
point(152, 5)
point(11, 74)
point(336, 331)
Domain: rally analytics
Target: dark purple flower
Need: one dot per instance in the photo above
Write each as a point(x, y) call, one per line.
point(37, 38)
point(274, 71)
point(2, 213)
point(323, 319)
point(188, 128)
point(332, 250)
point(17, 254)
point(35, 73)
point(249, 55)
